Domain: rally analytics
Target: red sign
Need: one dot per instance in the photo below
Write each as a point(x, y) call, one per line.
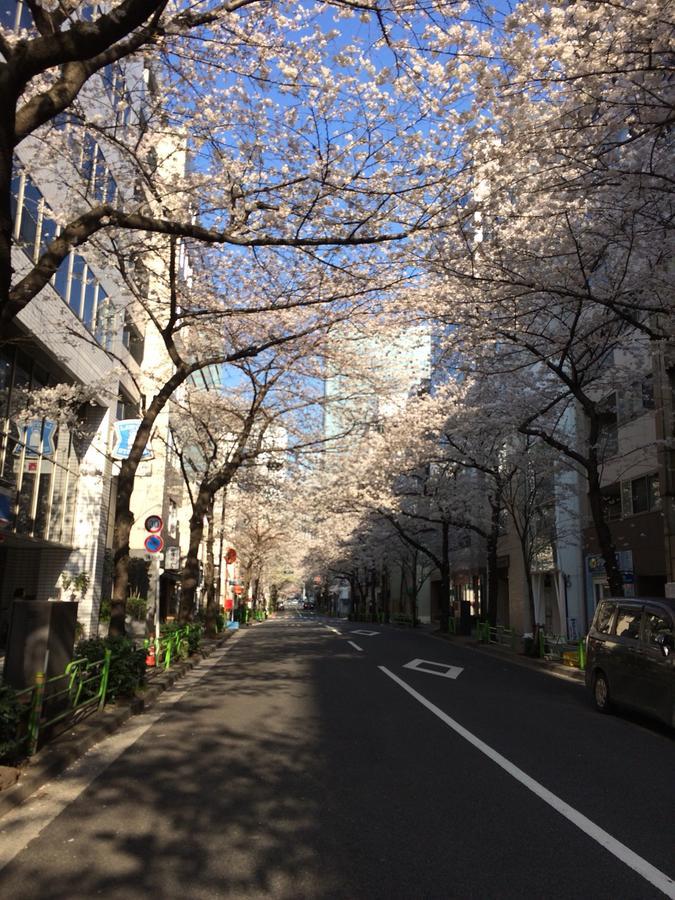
point(229, 604)
point(231, 556)
point(238, 589)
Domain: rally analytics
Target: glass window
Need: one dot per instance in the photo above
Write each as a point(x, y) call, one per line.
point(603, 619)
point(126, 408)
point(656, 623)
point(21, 383)
point(645, 494)
point(88, 156)
point(628, 623)
point(6, 362)
point(607, 414)
point(24, 521)
point(76, 281)
point(640, 495)
point(611, 499)
point(8, 14)
point(48, 231)
point(173, 518)
point(89, 300)
point(648, 392)
point(99, 188)
point(29, 216)
point(25, 17)
point(111, 189)
point(16, 189)
point(654, 492)
point(62, 277)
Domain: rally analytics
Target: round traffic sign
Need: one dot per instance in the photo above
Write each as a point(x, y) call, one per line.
point(153, 543)
point(154, 524)
point(231, 555)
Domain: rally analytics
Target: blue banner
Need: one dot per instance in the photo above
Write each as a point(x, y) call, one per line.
point(38, 437)
point(123, 438)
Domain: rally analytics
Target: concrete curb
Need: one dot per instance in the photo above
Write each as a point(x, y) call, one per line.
point(56, 756)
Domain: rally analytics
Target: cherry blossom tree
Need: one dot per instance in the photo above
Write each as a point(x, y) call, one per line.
point(308, 125)
point(263, 417)
point(299, 152)
point(558, 264)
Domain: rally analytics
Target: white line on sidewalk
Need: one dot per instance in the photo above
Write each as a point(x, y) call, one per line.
point(659, 879)
point(355, 646)
point(22, 825)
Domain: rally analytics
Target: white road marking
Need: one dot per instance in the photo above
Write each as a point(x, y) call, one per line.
point(623, 853)
point(22, 825)
point(330, 628)
point(355, 646)
point(366, 633)
point(443, 669)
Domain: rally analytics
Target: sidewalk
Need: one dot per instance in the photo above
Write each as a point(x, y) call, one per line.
point(549, 666)
point(58, 754)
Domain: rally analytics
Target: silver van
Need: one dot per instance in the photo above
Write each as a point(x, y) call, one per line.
point(630, 656)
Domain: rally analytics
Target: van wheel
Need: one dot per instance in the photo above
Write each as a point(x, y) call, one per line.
point(601, 692)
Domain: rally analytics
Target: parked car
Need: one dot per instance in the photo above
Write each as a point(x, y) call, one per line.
point(630, 656)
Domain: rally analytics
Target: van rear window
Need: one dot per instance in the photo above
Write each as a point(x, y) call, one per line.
point(603, 617)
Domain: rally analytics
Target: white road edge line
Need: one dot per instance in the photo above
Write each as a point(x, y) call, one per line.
point(355, 646)
point(649, 872)
point(20, 826)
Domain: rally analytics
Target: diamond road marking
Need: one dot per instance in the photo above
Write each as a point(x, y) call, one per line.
point(366, 633)
point(442, 669)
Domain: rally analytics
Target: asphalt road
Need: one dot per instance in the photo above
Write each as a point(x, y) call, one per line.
point(308, 759)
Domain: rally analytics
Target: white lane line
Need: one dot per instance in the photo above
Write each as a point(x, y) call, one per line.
point(649, 872)
point(22, 825)
point(334, 630)
point(355, 646)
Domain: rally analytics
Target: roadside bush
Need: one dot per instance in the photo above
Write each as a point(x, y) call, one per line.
point(127, 663)
point(10, 717)
point(137, 607)
point(194, 638)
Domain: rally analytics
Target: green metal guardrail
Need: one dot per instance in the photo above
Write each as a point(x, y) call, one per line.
point(171, 646)
point(557, 647)
point(549, 646)
point(52, 700)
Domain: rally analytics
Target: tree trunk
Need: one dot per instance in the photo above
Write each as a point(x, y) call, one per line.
point(209, 574)
point(492, 570)
point(603, 533)
point(190, 573)
point(8, 95)
point(445, 576)
point(386, 593)
point(414, 590)
point(124, 518)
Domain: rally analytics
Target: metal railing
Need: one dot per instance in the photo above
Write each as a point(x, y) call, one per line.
point(170, 646)
point(557, 647)
point(550, 646)
point(48, 701)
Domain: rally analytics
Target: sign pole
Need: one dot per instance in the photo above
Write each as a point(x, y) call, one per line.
point(157, 593)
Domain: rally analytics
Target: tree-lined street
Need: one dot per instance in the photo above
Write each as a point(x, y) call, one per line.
point(308, 758)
